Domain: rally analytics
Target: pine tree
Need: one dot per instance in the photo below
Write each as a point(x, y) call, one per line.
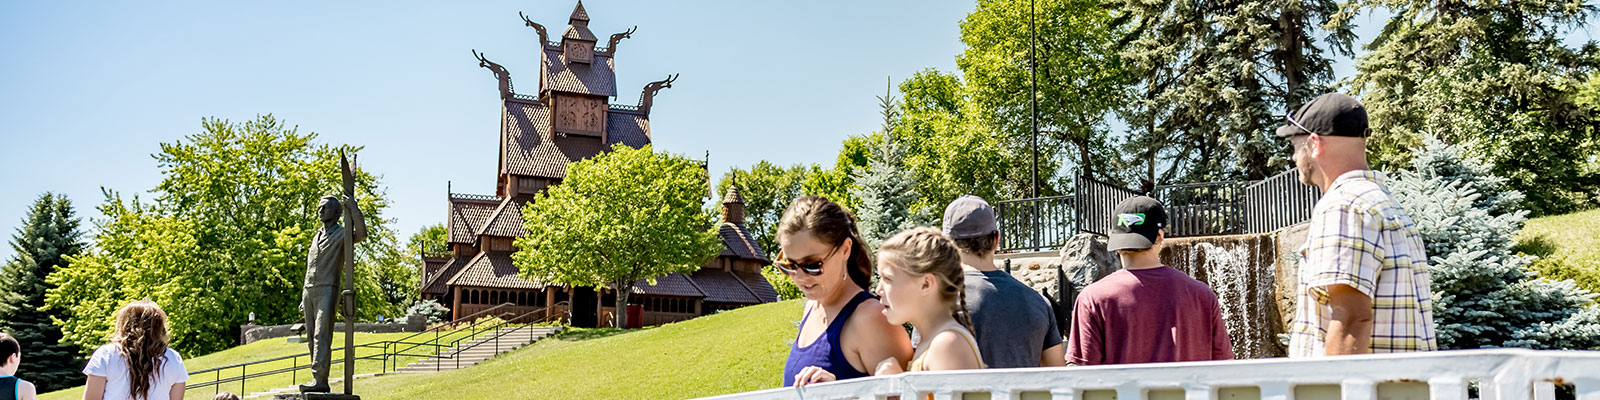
point(885, 188)
point(1214, 78)
point(1484, 295)
point(47, 236)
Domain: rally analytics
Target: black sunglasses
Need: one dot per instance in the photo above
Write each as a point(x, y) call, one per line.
point(811, 268)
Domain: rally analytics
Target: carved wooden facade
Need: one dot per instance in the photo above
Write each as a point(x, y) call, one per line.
point(570, 119)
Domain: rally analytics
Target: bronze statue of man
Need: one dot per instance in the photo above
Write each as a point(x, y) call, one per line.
point(330, 253)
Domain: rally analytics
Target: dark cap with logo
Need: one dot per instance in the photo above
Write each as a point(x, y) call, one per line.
point(1136, 223)
point(1332, 114)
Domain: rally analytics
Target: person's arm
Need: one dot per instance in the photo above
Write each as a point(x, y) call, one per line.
point(1344, 267)
point(1221, 345)
point(177, 391)
point(950, 351)
point(94, 388)
point(1055, 356)
point(1055, 350)
point(358, 222)
point(26, 391)
point(1083, 342)
point(876, 341)
point(1350, 325)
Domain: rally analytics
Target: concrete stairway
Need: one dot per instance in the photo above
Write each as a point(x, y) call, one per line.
point(468, 353)
point(476, 351)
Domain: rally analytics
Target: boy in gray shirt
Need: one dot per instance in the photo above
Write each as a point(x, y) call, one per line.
point(1014, 325)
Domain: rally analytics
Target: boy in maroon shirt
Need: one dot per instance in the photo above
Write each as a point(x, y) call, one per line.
point(1147, 312)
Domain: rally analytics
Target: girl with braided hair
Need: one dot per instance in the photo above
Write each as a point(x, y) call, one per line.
point(920, 280)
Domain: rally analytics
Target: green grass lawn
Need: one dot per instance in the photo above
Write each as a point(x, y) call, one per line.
point(268, 349)
point(734, 351)
point(1568, 247)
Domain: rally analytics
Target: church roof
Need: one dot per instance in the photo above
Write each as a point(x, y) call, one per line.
point(436, 283)
point(578, 13)
point(723, 287)
point(758, 284)
point(733, 195)
point(595, 78)
point(492, 269)
point(506, 220)
point(467, 214)
point(531, 150)
point(737, 242)
point(673, 284)
point(579, 32)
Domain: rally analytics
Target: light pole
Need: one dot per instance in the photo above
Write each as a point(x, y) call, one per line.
point(1033, 99)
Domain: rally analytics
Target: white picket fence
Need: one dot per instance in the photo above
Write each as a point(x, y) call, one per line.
point(1505, 374)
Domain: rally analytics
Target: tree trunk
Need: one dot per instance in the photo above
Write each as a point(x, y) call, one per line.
point(623, 290)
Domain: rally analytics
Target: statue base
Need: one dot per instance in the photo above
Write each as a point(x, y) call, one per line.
point(315, 396)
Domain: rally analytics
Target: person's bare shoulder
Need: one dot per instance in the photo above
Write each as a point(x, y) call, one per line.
point(868, 316)
point(26, 391)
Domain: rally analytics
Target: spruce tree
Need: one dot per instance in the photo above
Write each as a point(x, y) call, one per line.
point(47, 236)
point(1484, 295)
point(885, 188)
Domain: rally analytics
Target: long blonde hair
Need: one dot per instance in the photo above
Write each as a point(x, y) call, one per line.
point(923, 250)
point(141, 336)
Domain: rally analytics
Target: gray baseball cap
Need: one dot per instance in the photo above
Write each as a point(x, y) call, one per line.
point(969, 217)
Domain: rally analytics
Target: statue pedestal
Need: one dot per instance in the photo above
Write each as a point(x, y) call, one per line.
point(315, 396)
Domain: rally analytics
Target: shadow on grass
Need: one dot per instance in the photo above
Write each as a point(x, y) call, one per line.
point(1541, 245)
point(581, 334)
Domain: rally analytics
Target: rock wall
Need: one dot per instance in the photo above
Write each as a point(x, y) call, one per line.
point(253, 333)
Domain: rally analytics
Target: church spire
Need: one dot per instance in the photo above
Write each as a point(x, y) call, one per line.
point(733, 203)
point(577, 42)
point(578, 14)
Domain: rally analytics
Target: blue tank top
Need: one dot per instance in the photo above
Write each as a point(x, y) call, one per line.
point(825, 352)
point(8, 388)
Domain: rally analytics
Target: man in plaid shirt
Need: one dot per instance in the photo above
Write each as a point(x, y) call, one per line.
point(1364, 284)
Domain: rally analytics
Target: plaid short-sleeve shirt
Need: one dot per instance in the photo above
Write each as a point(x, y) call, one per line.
point(1360, 237)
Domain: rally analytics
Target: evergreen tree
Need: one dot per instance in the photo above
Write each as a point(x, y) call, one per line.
point(1484, 296)
point(885, 188)
point(1214, 78)
point(1502, 64)
point(47, 236)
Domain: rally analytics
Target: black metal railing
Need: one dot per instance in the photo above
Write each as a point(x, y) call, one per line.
point(1035, 224)
point(1277, 202)
point(1097, 200)
point(1194, 209)
point(1203, 209)
point(390, 352)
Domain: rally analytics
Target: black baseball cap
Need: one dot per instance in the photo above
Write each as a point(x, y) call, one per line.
point(1332, 114)
point(1136, 223)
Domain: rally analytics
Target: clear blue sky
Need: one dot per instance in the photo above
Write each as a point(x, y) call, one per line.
point(89, 91)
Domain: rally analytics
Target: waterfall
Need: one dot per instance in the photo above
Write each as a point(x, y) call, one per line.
point(1241, 271)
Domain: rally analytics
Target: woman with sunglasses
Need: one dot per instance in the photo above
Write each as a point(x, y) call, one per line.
point(843, 333)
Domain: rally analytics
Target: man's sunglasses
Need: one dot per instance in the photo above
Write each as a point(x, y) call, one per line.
point(811, 268)
point(1290, 117)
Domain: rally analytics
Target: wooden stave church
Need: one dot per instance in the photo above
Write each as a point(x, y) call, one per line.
point(568, 120)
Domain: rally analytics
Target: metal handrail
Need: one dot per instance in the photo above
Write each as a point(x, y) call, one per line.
point(479, 341)
point(388, 353)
